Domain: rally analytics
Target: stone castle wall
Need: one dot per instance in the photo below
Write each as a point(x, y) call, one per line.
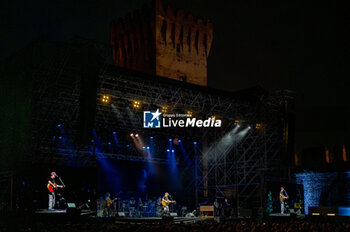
point(163, 42)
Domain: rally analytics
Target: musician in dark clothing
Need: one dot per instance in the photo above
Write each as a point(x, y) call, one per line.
point(159, 206)
point(227, 208)
point(217, 207)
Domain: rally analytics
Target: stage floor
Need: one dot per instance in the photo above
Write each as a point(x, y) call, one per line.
point(62, 211)
point(92, 214)
point(286, 215)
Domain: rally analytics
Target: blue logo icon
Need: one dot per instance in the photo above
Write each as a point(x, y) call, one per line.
point(151, 119)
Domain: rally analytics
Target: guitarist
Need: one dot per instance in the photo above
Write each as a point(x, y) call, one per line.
point(166, 200)
point(283, 197)
point(110, 206)
point(52, 187)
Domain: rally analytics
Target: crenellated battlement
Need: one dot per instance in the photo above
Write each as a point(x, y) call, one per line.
point(183, 33)
point(163, 42)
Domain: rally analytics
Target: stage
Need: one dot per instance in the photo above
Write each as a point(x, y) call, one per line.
point(63, 213)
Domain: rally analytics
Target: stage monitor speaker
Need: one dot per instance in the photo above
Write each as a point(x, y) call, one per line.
point(190, 215)
point(173, 214)
point(71, 205)
point(121, 214)
point(72, 209)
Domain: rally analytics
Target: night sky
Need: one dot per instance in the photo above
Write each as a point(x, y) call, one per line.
point(287, 46)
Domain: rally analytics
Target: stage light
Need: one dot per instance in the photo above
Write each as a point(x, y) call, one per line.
point(92, 141)
point(258, 126)
point(167, 150)
point(151, 137)
point(60, 137)
point(143, 148)
point(236, 122)
point(105, 99)
point(172, 151)
point(249, 127)
point(190, 113)
point(109, 143)
point(132, 135)
point(59, 125)
point(170, 140)
point(213, 117)
point(179, 140)
point(194, 143)
point(114, 132)
point(136, 104)
point(164, 109)
point(147, 148)
point(137, 135)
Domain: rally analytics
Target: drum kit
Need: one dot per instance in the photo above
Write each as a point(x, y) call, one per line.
point(131, 209)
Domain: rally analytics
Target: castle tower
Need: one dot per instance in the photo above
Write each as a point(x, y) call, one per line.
point(160, 41)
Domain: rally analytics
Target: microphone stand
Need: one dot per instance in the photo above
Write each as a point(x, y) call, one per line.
point(61, 182)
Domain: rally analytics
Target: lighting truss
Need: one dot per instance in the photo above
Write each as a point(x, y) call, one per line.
point(241, 171)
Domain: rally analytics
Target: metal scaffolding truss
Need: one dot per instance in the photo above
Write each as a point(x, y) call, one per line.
point(87, 158)
point(238, 170)
point(153, 93)
point(55, 94)
point(5, 189)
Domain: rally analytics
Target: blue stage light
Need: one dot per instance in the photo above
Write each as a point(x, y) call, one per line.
point(195, 143)
point(114, 132)
point(92, 141)
point(143, 148)
point(170, 140)
point(147, 148)
point(109, 143)
point(167, 150)
point(179, 140)
point(172, 151)
point(151, 137)
point(59, 125)
point(60, 137)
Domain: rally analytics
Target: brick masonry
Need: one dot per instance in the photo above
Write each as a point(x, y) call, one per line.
point(160, 41)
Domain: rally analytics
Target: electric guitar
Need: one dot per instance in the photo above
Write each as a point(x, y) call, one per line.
point(283, 197)
point(167, 202)
point(53, 187)
point(110, 202)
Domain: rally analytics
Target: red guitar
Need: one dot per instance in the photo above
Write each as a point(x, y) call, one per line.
point(53, 187)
